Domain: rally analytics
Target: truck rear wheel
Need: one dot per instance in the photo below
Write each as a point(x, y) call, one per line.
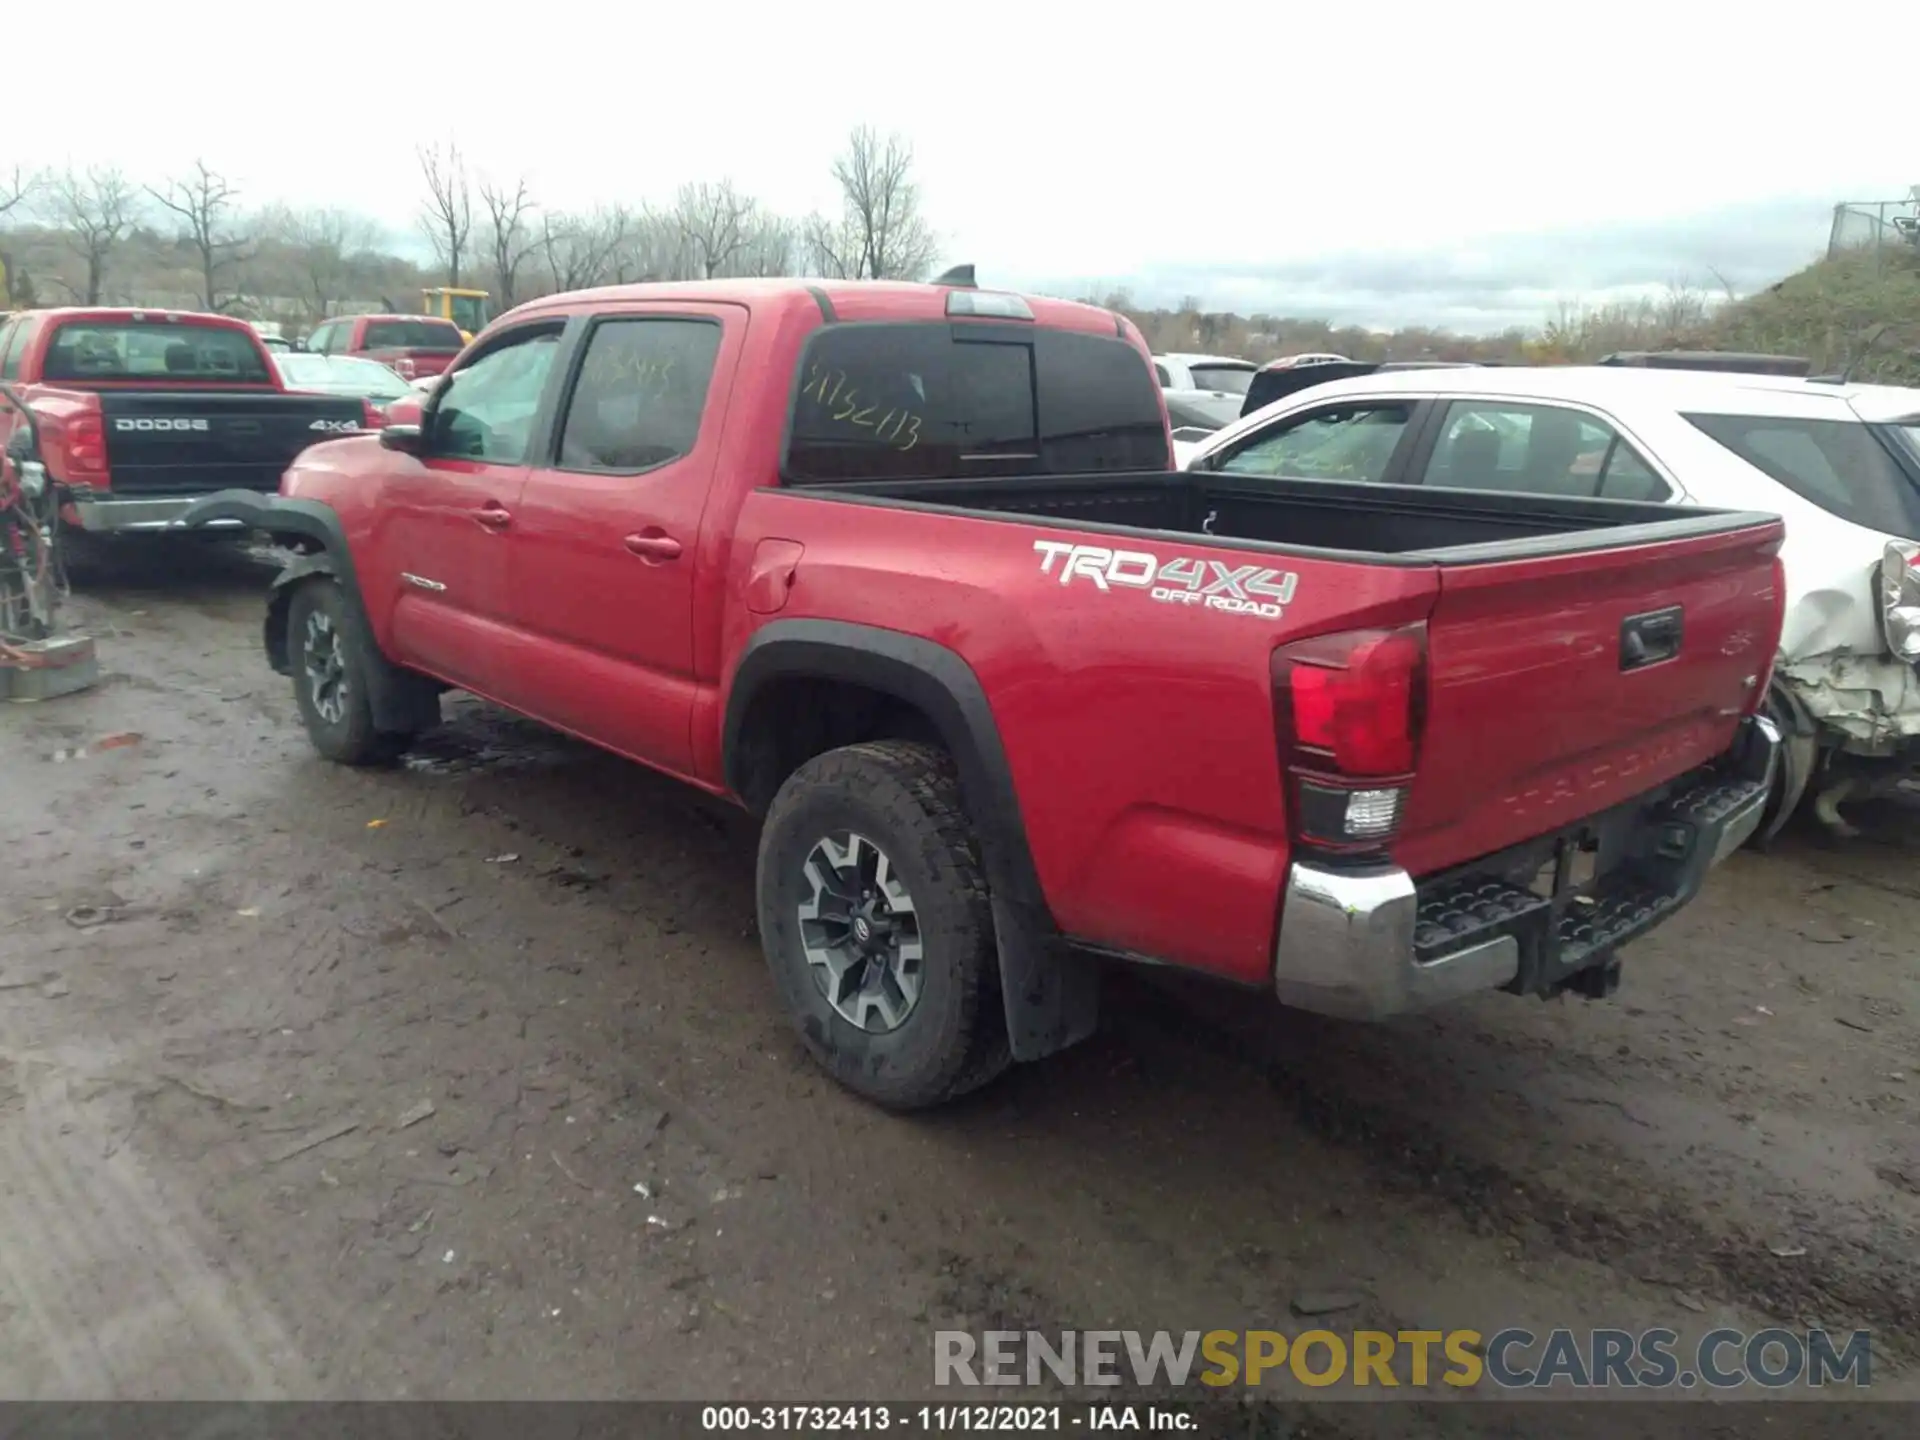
point(875, 919)
point(329, 667)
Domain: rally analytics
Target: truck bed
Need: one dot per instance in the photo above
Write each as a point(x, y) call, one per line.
point(1580, 654)
point(1409, 524)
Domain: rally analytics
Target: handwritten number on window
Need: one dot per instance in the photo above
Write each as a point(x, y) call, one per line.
point(840, 400)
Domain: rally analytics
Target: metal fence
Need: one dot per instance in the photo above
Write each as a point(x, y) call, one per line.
point(1874, 225)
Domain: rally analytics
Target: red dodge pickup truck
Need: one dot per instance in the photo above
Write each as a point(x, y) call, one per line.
point(141, 412)
point(906, 570)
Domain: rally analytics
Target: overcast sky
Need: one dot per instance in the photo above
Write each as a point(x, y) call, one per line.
point(1466, 164)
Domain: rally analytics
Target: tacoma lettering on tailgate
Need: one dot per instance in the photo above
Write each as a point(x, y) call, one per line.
point(1239, 589)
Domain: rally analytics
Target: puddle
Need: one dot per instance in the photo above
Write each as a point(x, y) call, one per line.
point(480, 741)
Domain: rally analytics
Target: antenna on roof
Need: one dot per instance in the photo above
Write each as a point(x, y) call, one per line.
point(960, 277)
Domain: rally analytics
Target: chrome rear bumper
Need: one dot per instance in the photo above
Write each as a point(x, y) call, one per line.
point(1370, 944)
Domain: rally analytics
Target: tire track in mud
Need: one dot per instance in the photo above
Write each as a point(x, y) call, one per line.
point(1661, 1242)
point(109, 1279)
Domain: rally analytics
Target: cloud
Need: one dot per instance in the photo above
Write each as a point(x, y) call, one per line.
point(1486, 285)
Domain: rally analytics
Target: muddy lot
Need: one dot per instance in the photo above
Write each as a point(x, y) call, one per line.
point(465, 1079)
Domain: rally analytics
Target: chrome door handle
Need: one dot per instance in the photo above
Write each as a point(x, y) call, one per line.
point(493, 517)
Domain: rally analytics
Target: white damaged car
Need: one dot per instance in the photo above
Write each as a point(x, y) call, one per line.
point(1840, 462)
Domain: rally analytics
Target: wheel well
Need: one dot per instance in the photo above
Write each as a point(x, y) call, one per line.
point(794, 718)
point(304, 548)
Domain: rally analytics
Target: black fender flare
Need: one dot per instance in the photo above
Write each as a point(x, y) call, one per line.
point(1051, 991)
point(403, 703)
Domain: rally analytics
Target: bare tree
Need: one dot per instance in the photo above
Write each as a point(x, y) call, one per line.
point(446, 216)
point(716, 222)
point(656, 248)
point(94, 208)
point(881, 234)
point(510, 234)
point(772, 247)
point(584, 250)
point(325, 244)
point(18, 187)
point(203, 202)
point(1681, 312)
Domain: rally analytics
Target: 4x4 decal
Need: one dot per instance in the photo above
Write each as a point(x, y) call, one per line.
point(1237, 589)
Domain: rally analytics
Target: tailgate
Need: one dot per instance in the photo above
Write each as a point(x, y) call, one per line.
point(1561, 684)
point(185, 442)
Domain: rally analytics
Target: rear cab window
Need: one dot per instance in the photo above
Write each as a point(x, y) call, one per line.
point(1840, 465)
point(960, 400)
point(411, 335)
point(154, 350)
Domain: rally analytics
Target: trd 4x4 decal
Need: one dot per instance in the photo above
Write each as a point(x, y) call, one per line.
point(1237, 589)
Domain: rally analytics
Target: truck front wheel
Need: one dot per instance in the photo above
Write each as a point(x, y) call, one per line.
point(876, 922)
point(330, 678)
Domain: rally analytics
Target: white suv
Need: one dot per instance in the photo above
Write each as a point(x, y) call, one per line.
point(1839, 462)
point(1223, 374)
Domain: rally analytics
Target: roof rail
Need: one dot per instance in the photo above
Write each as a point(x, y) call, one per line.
point(1725, 361)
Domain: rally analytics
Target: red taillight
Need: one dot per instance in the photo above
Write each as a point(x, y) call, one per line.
point(1355, 699)
point(1349, 708)
point(373, 417)
point(86, 447)
point(404, 367)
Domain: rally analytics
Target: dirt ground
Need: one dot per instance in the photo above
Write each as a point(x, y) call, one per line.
point(465, 1079)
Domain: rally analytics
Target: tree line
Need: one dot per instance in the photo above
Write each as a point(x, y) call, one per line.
point(94, 235)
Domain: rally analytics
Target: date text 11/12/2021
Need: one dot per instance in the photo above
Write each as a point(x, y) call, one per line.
point(945, 1419)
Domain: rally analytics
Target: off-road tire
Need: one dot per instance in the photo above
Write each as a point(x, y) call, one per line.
point(906, 797)
point(350, 738)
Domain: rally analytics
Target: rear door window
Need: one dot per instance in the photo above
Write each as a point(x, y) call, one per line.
point(1347, 442)
point(640, 395)
point(958, 400)
point(1537, 450)
point(1839, 465)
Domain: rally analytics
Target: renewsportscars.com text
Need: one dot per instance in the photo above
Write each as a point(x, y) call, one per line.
point(1510, 1359)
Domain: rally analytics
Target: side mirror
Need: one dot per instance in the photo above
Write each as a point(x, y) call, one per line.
point(407, 439)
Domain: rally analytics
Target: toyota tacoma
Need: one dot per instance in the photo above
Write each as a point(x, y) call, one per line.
point(906, 571)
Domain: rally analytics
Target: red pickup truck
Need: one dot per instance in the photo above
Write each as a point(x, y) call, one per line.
point(141, 412)
point(906, 570)
point(414, 345)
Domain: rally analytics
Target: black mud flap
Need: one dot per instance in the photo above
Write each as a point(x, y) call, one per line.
point(1051, 991)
